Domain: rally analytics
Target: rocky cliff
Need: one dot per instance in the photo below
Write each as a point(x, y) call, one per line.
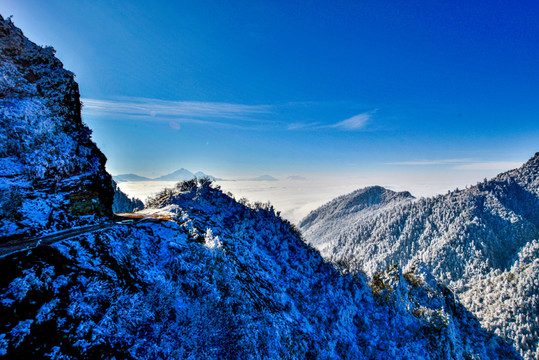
point(52, 176)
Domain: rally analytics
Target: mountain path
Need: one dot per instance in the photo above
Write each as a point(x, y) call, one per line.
point(25, 244)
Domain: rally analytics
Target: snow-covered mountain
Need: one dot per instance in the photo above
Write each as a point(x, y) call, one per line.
point(464, 237)
point(52, 175)
point(222, 280)
point(508, 301)
point(213, 279)
point(320, 225)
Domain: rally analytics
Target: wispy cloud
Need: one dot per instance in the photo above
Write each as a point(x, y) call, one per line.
point(491, 165)
point(355, 122)
point(429, 162)
point(303, 126)
point(218, 114)
point(181, 111)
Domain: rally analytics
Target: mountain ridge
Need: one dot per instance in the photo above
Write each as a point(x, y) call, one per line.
point(350, 208)
point(463, 236)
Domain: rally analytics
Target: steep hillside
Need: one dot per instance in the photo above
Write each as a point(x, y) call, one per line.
point(321, 224)
point(462, 236)
point(52, 175)
point(508, 301)
point(221, 281)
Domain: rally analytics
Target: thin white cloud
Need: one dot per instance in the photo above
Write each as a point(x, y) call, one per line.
point(429, 162)
point(491, 165)
point(211, 113)
point(303, 126)
point(355, 122)
point(182, 111)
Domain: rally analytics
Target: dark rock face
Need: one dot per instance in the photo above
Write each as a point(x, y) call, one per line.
point(48, 162)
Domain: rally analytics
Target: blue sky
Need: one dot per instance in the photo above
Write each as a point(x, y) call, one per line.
point(300, 87)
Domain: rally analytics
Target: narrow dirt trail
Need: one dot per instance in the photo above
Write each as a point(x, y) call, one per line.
point(25, 244)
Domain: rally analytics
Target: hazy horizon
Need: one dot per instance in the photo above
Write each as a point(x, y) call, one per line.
point(296, 198)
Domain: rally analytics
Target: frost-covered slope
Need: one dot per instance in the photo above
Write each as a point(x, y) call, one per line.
point(222, 281)
point(508, 301)
point(320, 225)
point(458, 235)
point(52, 175)
point(462, 237)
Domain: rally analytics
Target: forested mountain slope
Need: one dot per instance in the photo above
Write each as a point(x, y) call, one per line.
point(508, 301)
point(472, 231)
point(462, 236)
point(320, 225)
point(223, 280)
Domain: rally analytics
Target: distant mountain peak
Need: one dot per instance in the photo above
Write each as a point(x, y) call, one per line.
point(178, 175)
point(263, 178)
point(360, 203)
point(129, 177)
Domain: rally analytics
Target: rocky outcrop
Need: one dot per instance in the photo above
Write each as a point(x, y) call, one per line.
point(52, 175)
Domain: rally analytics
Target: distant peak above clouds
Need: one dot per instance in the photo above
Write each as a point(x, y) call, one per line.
point(178, 175)
point(184, 174)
